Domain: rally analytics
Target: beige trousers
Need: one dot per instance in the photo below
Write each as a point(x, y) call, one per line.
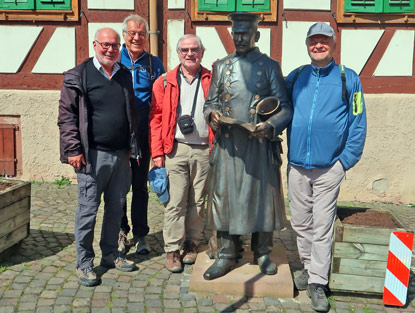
point(313, 202)
point(187, 167)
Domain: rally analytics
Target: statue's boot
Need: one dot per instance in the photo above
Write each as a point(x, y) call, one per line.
point(266, 265)
point(219, 268)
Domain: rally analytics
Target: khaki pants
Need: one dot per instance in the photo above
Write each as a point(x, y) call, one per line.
point(313, 202)
point(187, 167)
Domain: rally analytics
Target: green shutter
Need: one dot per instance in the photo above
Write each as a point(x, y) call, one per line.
point(53, 4)
point(398, 6)
point(253, 5)
point(365, 6)
point(217, 5)
point(17, 4)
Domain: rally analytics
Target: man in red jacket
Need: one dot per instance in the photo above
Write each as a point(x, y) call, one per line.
point(179, 141)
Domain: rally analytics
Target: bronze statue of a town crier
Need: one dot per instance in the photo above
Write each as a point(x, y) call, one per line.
point(244, 190)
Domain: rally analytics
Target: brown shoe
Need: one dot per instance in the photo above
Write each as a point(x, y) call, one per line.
point(173, 263)
point(189, 253)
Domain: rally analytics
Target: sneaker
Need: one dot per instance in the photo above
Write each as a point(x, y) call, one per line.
point(141, 246)
point(317, 294)
point(301, 281)
point(173, 263)
point(189, 253)
point(87, 277)
point(120, 263)
point(122, 242)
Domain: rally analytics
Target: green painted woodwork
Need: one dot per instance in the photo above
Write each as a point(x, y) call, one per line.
point(217, 5)
point(53, 4)
point(253, 5)
point(17, 4)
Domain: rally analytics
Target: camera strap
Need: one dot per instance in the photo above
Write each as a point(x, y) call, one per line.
point(196, 92)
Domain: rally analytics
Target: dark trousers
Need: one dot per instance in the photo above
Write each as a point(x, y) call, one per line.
point(229, 245)
point(139, 203)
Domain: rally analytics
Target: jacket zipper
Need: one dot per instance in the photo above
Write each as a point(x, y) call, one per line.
point(310, 121)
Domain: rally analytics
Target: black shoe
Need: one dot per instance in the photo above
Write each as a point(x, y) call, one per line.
point(317, 294)
point(219, 268)
point(301, 282)
point(266, 266)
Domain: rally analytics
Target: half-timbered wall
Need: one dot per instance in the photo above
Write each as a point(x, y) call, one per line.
point(380, 48)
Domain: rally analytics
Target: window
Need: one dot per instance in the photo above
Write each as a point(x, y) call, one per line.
point(46, 10)
point(217, 10)
point(375, 11)
point(379, 6)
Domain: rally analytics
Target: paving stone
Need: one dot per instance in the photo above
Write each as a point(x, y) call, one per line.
point(68, 292)
point(63, 300)
point(7, 309)
point(153, 303)
point(81, 302)
point(172, 304)
point(62, 308)
point(44, 309)
point(204, 302)
point(135, 307)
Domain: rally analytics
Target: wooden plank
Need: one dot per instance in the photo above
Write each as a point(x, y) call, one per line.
point(15, 209)
point(368, 234)
point(362, 267)
point(11, 224)
point(355, 283)
point(14, 237)
point(360, 251)
point(20, 190)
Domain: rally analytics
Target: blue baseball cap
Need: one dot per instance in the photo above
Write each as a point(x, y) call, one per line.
point(320, 28)
point(159, 182)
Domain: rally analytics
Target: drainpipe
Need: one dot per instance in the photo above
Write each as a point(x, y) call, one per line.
point(153, 28)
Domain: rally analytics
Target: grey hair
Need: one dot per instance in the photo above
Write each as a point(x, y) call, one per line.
point(99, 30)
point(334, 38)
point(199, 41)
point(137, 19)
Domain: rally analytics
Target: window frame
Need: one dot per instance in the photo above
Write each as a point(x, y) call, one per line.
point(378, 18)
point(266, 16)
point(71, 15)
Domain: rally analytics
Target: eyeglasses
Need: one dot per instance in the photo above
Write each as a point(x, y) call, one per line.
point(187, 50)
point(107, 45)
point(132, 34)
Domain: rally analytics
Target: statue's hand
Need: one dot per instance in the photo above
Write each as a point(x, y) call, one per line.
point(215, 118)
point(263, 129)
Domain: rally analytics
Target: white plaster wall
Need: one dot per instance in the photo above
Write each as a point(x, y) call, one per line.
point(16, 43)
point(93, 27)
point(386, 171)
point(175, 4)
point(294, 51)
point(40, 134)
point(59, 54)
point(365, 39)
point(213, 44)
point(175, 29)
point(323, 5)
point(111, 4)
point(398, 57)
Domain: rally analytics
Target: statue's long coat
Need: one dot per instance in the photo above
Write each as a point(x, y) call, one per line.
point(244, 189)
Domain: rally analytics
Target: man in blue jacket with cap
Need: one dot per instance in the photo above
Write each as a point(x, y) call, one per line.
point(325, 139)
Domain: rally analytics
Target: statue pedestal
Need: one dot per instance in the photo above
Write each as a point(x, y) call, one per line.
point(245, 279)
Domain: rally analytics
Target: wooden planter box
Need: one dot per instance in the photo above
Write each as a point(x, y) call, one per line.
point(359, 258)
point(14, 213)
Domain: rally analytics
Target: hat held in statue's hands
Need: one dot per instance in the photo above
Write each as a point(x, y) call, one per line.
point(159, 182)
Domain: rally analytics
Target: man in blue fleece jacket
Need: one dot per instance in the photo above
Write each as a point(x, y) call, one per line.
point(325, 139)
point(145, 69)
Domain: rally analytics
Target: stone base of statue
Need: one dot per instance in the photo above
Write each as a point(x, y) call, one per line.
point(245, 279)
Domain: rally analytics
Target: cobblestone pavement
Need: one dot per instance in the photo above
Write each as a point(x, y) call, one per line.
point(40, 276)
